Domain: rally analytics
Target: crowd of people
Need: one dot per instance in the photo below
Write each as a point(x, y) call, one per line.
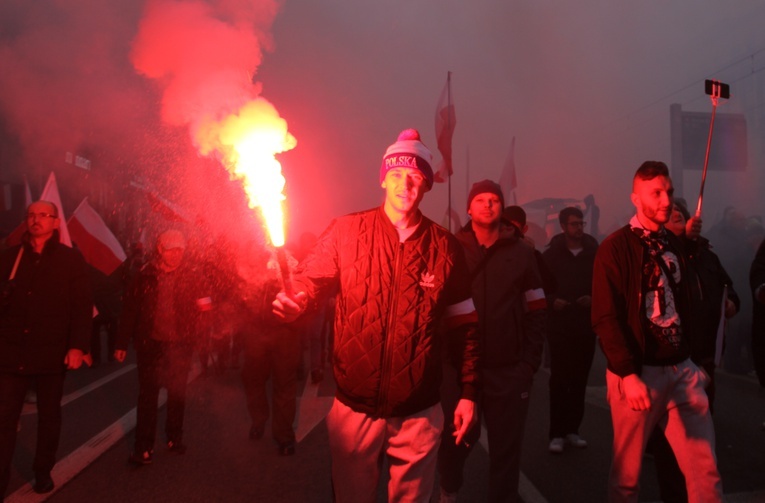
point(431, 335)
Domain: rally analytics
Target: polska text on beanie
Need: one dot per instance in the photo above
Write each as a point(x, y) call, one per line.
point(408, 152)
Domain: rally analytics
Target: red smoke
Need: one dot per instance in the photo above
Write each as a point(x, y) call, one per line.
point(203, 55)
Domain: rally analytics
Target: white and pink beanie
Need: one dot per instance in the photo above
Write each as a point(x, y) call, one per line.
point(408, 152)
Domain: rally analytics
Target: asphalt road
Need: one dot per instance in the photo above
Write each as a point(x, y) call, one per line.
point(223, 465)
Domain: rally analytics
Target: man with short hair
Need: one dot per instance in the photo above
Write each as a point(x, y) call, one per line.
point(510, 301)
point(569, 257)
point(640, 295)
point(45, 325)
point(399, 277)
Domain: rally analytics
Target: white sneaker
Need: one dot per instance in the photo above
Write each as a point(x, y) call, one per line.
point(556, 445)
point(576, 440)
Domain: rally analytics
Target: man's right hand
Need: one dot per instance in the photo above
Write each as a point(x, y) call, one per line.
point(289, 307)
point(119, 355)
point(636, 392)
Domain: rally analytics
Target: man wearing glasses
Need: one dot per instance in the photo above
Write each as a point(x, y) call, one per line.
point(45, 325)
point(569, 258)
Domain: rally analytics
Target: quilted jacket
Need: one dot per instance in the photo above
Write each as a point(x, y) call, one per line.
point(392, 298)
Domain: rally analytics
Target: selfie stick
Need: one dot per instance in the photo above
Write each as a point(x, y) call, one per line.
point(716, 90)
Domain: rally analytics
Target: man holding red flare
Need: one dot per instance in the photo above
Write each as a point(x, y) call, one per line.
point(400, 276)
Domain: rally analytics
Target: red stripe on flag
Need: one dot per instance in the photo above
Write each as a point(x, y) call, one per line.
point(96, 242)
point(14, 238)
point(536, 305)
point(96, 253)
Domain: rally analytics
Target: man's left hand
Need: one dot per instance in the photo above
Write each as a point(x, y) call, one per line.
point(73, 359)
point(464, 419)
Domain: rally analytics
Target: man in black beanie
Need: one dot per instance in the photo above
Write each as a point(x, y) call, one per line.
point(511, 306)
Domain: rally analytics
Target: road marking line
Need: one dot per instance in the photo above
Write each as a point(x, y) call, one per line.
point(79, 459)
point(31, 408)
point(66, 469)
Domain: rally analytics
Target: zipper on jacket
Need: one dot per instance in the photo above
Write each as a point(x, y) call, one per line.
point(387, 346)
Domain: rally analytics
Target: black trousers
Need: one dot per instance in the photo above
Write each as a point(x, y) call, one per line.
point(13, 389)
point(504, 406)
point(164, 364)
point(571, 355)
point(273, 355)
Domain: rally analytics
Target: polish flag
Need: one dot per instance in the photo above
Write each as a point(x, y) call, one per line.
point(94, 239)
point(50, 194)
point(446, 120)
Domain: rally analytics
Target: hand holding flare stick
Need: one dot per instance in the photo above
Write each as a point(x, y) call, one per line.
point(288, 304)
point(249, 140)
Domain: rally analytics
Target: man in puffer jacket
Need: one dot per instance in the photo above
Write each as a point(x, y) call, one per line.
point(400, 277)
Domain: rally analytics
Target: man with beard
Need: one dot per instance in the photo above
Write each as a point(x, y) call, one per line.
point(510, 301)
point(640, 311)
point(45, 325)
point(399, 277)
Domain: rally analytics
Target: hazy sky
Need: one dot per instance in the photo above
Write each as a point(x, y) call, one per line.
point(585, 87)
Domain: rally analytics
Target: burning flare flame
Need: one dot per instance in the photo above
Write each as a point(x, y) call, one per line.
point(248, 142)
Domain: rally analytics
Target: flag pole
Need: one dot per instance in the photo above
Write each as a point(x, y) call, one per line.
point(449, 128)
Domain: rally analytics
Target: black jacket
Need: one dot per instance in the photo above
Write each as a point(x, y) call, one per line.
point(392, 298)
point(140, 304)
point(509, 299)
point(617, 303)
point(48, 310)
point(707, 300)
point(573, 279)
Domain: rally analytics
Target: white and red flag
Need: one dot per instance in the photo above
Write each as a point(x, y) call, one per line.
point(50, 194)
point(446, 120)
point(94, 239)
point(507, 180)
